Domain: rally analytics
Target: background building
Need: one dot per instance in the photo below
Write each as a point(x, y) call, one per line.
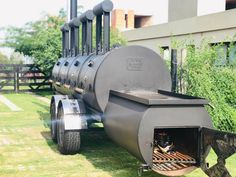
point(129, 15)
point(138, 14)
point(154, 23)
point(152, 11)
point(190, 21)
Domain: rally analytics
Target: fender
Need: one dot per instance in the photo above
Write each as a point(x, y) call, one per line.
point(55, 100)
point(75, 117)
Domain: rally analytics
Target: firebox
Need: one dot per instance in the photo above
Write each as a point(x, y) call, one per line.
point(176, 151)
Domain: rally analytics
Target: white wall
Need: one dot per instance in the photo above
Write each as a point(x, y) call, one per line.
point(210, 6)
point(159, 11)
point(157, 8)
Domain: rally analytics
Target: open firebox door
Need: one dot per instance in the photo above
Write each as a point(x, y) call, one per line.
point(223, 144)
point(176, 154)
point(175, 151)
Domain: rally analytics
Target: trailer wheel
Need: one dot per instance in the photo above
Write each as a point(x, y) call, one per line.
point(53, 123)
point(68, 141)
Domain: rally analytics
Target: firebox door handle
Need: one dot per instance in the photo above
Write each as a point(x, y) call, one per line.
point(223, 144)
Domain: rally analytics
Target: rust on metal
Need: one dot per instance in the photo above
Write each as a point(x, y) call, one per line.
point(176, 157)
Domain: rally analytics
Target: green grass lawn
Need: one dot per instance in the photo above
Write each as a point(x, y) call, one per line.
point(3, 107)
point(46, 94)
point(26, 148)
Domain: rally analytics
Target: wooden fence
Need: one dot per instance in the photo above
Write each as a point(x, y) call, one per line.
point(27, 77)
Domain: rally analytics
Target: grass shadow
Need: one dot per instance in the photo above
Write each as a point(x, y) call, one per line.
point(107, 156)
point(99, 150)
point(47, 136)
point(44, 114)
point(46, 94)
point(104, 155)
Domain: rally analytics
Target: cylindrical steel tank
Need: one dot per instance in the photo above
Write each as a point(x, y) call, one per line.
point(128, 68)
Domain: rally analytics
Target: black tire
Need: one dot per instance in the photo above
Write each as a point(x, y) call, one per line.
point(53, 123)
point(68, 141)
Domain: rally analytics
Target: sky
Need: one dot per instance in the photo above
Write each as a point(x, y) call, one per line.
point(19, 12)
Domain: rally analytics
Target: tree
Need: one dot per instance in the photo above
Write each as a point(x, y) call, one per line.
point(16, 58)
point(206, 79)
point(42, 40)
point(3, 59)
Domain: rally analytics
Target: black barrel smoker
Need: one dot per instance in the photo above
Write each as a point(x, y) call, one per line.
point(128, 90)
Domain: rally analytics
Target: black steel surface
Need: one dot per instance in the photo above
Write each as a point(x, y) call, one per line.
point(141, 120)
point(87, 31)
point(73, 9)
point(106, 32)
point(224, 145)
point(174, 69)
point(105, 6)
point(74, 28)
point(65, 40)
point(76, 24)
point(98, 34)
point(155, 98)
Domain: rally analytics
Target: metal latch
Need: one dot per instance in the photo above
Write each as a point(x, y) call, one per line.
point(143, 168)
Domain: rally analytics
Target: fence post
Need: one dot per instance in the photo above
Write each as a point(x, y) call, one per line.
point(174, 68)
point(18, 75)
point(17, 79)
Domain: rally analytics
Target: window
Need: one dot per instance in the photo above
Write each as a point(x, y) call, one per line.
point(142, 21)
point(166, 53)
point(221, 55)
point(232, 53)
point(126, 20)
point(230, 4)
point(226, 53)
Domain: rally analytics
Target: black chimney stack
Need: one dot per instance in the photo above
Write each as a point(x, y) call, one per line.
point(73, 9)
point(87, 31)
point(74, 25)
point(65, 40)
point(103, 9)
point(174, 70)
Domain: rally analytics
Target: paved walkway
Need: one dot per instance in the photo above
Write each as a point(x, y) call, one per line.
point(9, 104)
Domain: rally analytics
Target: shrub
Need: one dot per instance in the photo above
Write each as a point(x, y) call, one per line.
point(204, 78)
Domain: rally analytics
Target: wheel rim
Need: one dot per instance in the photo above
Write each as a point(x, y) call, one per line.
point(60, 124)
point(53, 119)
